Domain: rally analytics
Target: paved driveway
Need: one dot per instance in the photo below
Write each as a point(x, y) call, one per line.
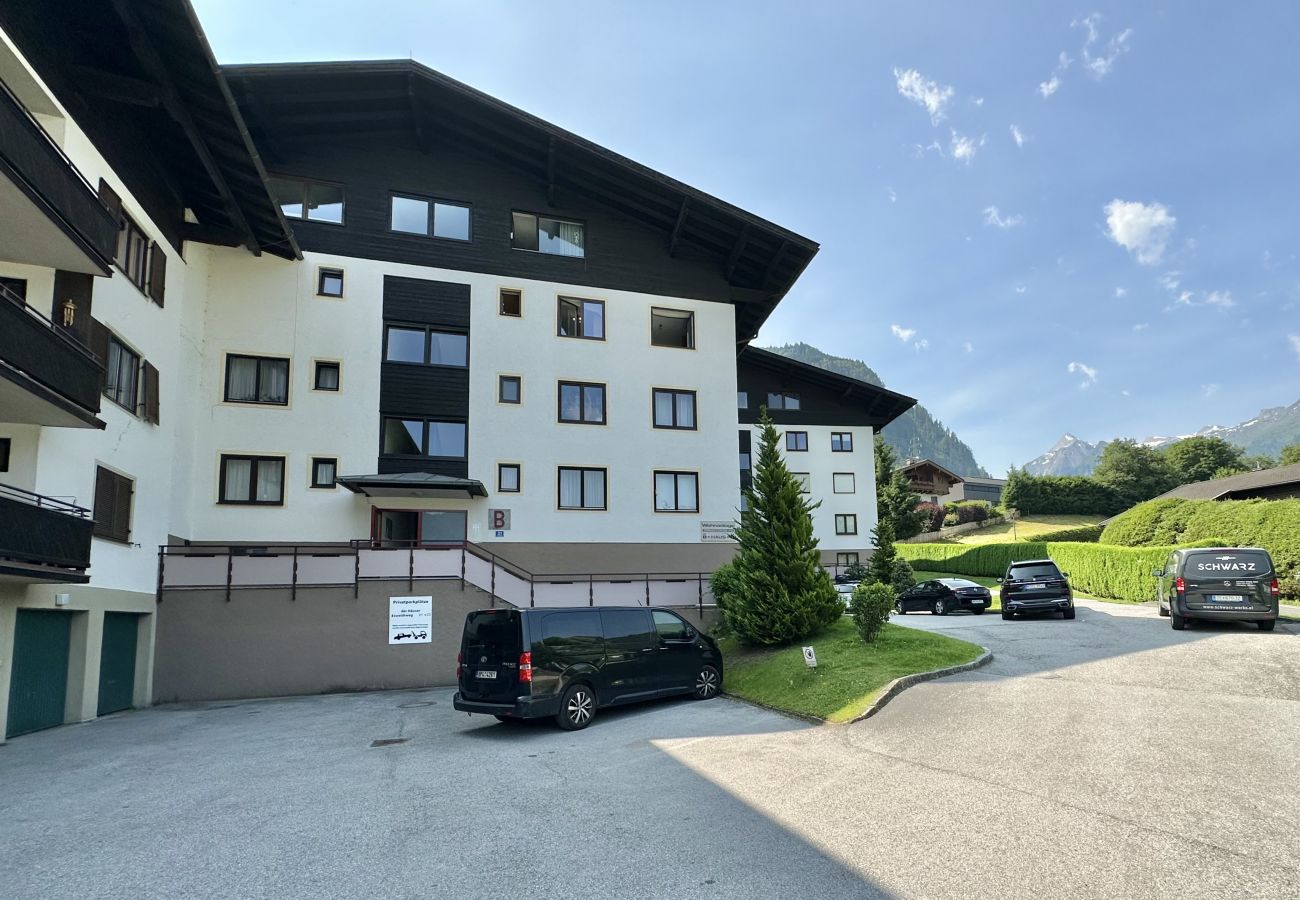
point(1105, 757)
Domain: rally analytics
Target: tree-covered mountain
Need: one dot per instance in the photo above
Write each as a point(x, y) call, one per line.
point(915, 433)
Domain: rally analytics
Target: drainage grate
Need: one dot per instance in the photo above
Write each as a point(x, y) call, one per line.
point(388, 742)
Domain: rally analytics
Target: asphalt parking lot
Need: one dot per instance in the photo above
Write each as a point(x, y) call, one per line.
point(1104, 757)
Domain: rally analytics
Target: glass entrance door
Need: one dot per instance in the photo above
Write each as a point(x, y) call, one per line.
point(407, 527)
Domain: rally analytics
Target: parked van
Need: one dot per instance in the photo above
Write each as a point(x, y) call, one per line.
point(1222, 584)
point(567, 663)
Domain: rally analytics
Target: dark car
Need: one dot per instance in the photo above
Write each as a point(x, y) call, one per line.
point(1225, 584)
point(1035, 586)
point(943, 595)
point(567, 663)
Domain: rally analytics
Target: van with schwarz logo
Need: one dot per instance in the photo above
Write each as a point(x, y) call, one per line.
point(1223, 584)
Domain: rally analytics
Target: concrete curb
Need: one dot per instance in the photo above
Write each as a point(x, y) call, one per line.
point(898, 685)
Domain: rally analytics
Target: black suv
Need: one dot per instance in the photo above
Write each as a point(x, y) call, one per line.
point(567, 663)
point(1035, 585)
point(1220, 584)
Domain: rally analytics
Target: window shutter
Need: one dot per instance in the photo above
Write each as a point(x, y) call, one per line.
point(122, 508)
point(105, 502)
point(109, 198)
point(149, 395)
point(99, 340)
point(157, 273)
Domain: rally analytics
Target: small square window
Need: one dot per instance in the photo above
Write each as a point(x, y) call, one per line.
point(327, 376)
point(844, 483)
point(509, 389)
point(672, 328)
point(323, 471)
point(846, 559)
point(329, 282)
point(796, 440)
point(842, 441)
point(805, 481)
point(846, 523)
point(512, 303)
point(508, 478)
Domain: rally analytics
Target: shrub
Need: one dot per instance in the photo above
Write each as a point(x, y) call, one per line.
point(933, 514)
point(870, 606)
point(855, 571)
point(724, 584)
point(970, 510)
point(950, 520)
point(1084, 534)
point(903, 577)
point(1064, 495)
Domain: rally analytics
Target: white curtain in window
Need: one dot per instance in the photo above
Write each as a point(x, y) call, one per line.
point(686, 493)
point(327, 378)
point(593, 404)
point(270, 480)
point(685, 410)
point(241, 379)
point(571, 488)
point(325, 472)
point(560, 238)
point(663, 408)
point(239, 475)
point(593, 482)
point(665, 491)
point(275, 381)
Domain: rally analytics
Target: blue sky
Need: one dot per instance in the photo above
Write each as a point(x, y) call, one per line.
point(1042, 219)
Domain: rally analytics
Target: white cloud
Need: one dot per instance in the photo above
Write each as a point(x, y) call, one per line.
point(1126, 393)
point(893, 197)
point(920, 150)
point(1018, 136)
point(1020, 289)
point(1099, 65)
point(1170, 281)
point(1049, 87)
point(1294, 340)
point(903, 334)
point(1121, 291)
point(968, 347)
point(934, 97)
point(1185, 298)
point(978, 101)
point(963, 148)
point(1088, 372)
point(1143, 229)
point(993, 217)
point(922, 344)
point(1141, 326)
point(1209, 390)
point(1221, 299)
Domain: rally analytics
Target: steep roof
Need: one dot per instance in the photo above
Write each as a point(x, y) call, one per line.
point(884, 406)
point(918, 463)
point(1217, 488)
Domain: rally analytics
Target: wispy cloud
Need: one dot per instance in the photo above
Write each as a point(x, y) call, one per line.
point(1018, 136)
point(1088, 372)
point(1294, 340)
point(1143, 229)
point(893, 197)
point(968, 347)
point(1098, 65)
point(1170, 281)
point(995, 218)
point(964, 148)
point(1121, 291)
point(931, 95)
point(1221, 299)
point(906, 334)
point(1020, 289)
point(1141, 326)
point(1050, 86)
point(1209, 390)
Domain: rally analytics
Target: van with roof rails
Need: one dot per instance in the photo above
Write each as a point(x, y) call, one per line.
point(1218, 584)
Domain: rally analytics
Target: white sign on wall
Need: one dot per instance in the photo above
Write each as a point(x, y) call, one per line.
point(410, 620)
point(713, 532)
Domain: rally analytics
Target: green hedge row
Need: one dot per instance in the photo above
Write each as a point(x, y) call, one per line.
point(1060, 495)
point(1115, 573)
point(1271, 524)
point(1083, 534)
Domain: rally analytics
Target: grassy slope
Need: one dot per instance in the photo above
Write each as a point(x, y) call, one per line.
point(849, 672)
point(1024, 529)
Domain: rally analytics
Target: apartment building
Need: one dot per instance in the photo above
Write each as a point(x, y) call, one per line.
point(337, 331)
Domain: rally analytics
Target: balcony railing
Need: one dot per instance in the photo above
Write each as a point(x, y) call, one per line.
point(36, 530)
point(45, 173)
point(48, 355)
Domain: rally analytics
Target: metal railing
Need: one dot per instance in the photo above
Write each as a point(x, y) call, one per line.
point(236, 567)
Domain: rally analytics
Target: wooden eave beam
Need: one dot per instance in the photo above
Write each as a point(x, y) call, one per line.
point(738, 249)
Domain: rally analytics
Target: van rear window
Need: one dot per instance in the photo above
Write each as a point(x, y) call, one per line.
point(1213, 564)
point(492, 633)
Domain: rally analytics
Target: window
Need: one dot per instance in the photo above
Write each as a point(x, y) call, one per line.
point(327, 376)
point(257, 379)
point(6, 446)
point(323, 471)
point(413, 215)
point(742, 400)
point(805, 481)
point(420, 437)
point(508, 478)
point(309, 200)
point(672, 328)
point(112, 513)
point(543, 234)
point(843, 483)
point(672, 627)
point(510, 389)
point(842, 441)
point(846, 559)
point(582, 403)
point(796, 440)
point(329, 282)
point(15, 286)
point(782, 400)
point(846, 523)
point(121, 374)
point(677, 492)
point(405, 528)
point(581, 319)
point(581, 488)
point(674, 409)
point(251, 480)
point(425, 346)
point(511, 303)
point(133, 252)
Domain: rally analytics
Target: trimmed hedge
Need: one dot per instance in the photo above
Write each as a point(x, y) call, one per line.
point(1060, 495)
point(1115, 573)
point(1083, 534)
point(1271, 524)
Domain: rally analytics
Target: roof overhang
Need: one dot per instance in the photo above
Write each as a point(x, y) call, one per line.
point(943, 470)
point(413, 484)
point(884, 406)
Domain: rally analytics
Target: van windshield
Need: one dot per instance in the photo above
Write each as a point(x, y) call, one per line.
point(1234, 563)
point(1031, 572)
point(492, 633)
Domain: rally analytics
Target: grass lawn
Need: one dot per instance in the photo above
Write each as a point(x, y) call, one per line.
point(1022, 529)
point(849, 672)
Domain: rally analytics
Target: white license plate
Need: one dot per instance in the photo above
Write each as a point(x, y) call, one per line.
point(1037, 587)
point(1226, 598)
point(484, 673)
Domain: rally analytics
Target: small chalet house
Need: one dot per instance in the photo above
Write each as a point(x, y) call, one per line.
point(931, 481)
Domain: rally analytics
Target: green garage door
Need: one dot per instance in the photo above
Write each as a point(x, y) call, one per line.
point(38, 685)
point(117, 663)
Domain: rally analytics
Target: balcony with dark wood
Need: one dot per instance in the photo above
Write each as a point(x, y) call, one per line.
point(49, 214)
point(47, 376)
point(43, 539)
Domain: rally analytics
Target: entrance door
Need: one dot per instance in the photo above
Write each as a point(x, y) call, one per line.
point(405, 527)
point(38, 686)
point(117, 663)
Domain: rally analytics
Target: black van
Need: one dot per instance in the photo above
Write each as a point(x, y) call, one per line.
point(1220, 584)
point(566, 663)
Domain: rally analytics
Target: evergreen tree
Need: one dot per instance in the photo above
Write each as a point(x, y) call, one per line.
point(884, 558)
point(895, 501)
point(783, 593)
point(1291, 455)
